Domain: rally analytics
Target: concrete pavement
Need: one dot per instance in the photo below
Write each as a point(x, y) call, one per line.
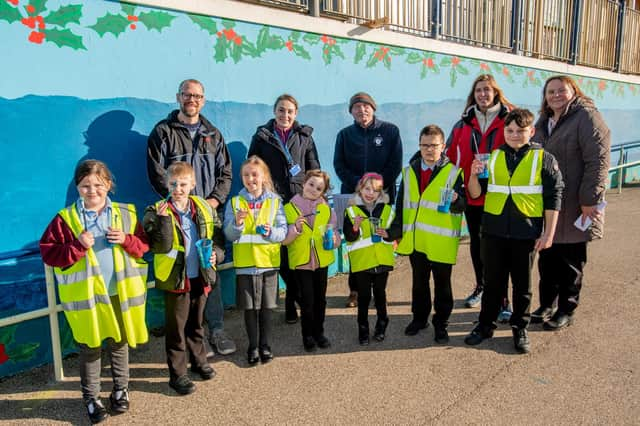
point(585, 374)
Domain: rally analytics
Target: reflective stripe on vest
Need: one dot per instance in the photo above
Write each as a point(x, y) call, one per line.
point(424, 228)
point(163, 262)
point(365, 254)
point(309, 240)
point(84, 294)
point(252, 249)
point(524, 185)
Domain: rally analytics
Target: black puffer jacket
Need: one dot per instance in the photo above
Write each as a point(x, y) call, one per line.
point(266, 145)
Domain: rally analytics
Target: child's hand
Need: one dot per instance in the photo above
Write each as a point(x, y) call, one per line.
point(454, 197)
point(267, 229)
point(382, 232)
point(241, 215)
point(162, 209)
point(213, 258)
point(299, 222)
point(357, 221)
point(86, 239)
point(116, 236)
point(477, 167)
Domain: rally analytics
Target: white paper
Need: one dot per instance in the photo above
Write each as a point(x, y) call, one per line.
point(587, 222)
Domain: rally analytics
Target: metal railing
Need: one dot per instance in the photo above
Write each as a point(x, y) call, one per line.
point(619, 172)
point(597, 33)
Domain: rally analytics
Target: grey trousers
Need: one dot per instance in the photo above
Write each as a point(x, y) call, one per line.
point(91, 365)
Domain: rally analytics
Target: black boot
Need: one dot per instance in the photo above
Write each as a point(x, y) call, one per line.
point(363, 334)
point(381, 327)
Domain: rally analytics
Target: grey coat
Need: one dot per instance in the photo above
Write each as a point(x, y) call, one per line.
point(581, 143)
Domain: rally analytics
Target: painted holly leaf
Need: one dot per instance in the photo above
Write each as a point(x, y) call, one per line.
point(128, 9)
point(414, 58)
point(423, 72)
point(65, 15)
point(156, 20)
point(8, 12)
point(294, 36)
point(453, 76)
point(8, 334)
point(248, 48)
point(228, 24)
point(235, 52)
point(462, 70)
point(38, 6)
point(205, 23)
point(361, 51)
point(220, 50)
point(266, 41)
point(311, 39)
point(387, 62)
point(64, 38)
point(445, 62)
point(22, 353)
point(301, 51)
point(110, 23)
point(396, 51)
point(373, 60)
point(517, 70)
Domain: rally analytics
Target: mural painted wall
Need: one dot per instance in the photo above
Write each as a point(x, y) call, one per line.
point(90, 79)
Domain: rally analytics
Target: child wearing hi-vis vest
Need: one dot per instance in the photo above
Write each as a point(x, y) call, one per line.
point(370, 245)
point(95, 246)
point(522, 201)
point(176, 227)
point(255, 222)
point(429, 209)
point(311, 238)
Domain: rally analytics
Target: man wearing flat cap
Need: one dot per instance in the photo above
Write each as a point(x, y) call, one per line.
point(368, 145)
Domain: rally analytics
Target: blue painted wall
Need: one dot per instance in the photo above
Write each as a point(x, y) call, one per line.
point(90, 79)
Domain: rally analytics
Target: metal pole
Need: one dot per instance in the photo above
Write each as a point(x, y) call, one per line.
point(516, 27)
point(436, 19)
point(574, 41)
point(314, 8)
point(53, 324)
point(619, 35)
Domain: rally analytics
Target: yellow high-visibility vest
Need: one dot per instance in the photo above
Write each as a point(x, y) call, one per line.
point(524, 186)
point(424, 228)
point(299, 251)
point(84, 295)
point(364, 253)
point(252, 249)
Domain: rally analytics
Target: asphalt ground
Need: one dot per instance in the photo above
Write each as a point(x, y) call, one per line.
point(584, 374)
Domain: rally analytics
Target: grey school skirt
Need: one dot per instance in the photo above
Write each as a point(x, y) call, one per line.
point(257, 291)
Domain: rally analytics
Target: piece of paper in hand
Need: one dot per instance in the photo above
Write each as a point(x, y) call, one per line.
point(587, 223)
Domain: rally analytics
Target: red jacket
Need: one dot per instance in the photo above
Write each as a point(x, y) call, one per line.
point(466, 140)
point(59, 247)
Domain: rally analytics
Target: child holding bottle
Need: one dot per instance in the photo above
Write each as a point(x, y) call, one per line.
point(311, 238)
point(175, 227)
point(254, 221)
point(95, 246)
point(366, 228)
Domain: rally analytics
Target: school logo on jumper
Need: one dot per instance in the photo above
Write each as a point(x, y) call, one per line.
point(378, 140)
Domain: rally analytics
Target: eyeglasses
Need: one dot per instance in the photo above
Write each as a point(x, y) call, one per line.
point(194, 96)
point(430, 145)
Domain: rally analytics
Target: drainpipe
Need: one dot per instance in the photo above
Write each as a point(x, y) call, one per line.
point(574, 41)
point(516, 27)
point(314, 8)
point(619, 35)
point(436, 19)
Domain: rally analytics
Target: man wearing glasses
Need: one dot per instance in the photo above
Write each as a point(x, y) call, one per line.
point(186, 135)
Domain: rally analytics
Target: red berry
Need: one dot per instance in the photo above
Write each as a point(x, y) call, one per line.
point(15, 3)
point(430, 62)
point(36, 37)
point(30, 8)
point(237, 40)
point(29, 22)
point(289, 45)
point(40, 21)
point(132, 26)
point(132, 18)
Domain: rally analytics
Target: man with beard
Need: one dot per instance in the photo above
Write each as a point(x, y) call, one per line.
point(186, 135)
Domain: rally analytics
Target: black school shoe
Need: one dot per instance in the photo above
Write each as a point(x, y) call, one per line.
point(119, 400)
point(380, 329)
point(363, 335)
point(182, 385)
point(205, 371)
point(309, 343)
point(441, 335)
point(414, 327)
point(96, 411)
point(521, 340)
point(322, 342)
point(265, 354)
point(478, 334)
point(558, 321)
point(541, 315)
point(253, 357)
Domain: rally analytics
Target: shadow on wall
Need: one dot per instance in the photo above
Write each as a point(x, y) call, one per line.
point(238, 151)
point(110, 138)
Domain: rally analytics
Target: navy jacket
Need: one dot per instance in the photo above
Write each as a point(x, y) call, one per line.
point(378, 148)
